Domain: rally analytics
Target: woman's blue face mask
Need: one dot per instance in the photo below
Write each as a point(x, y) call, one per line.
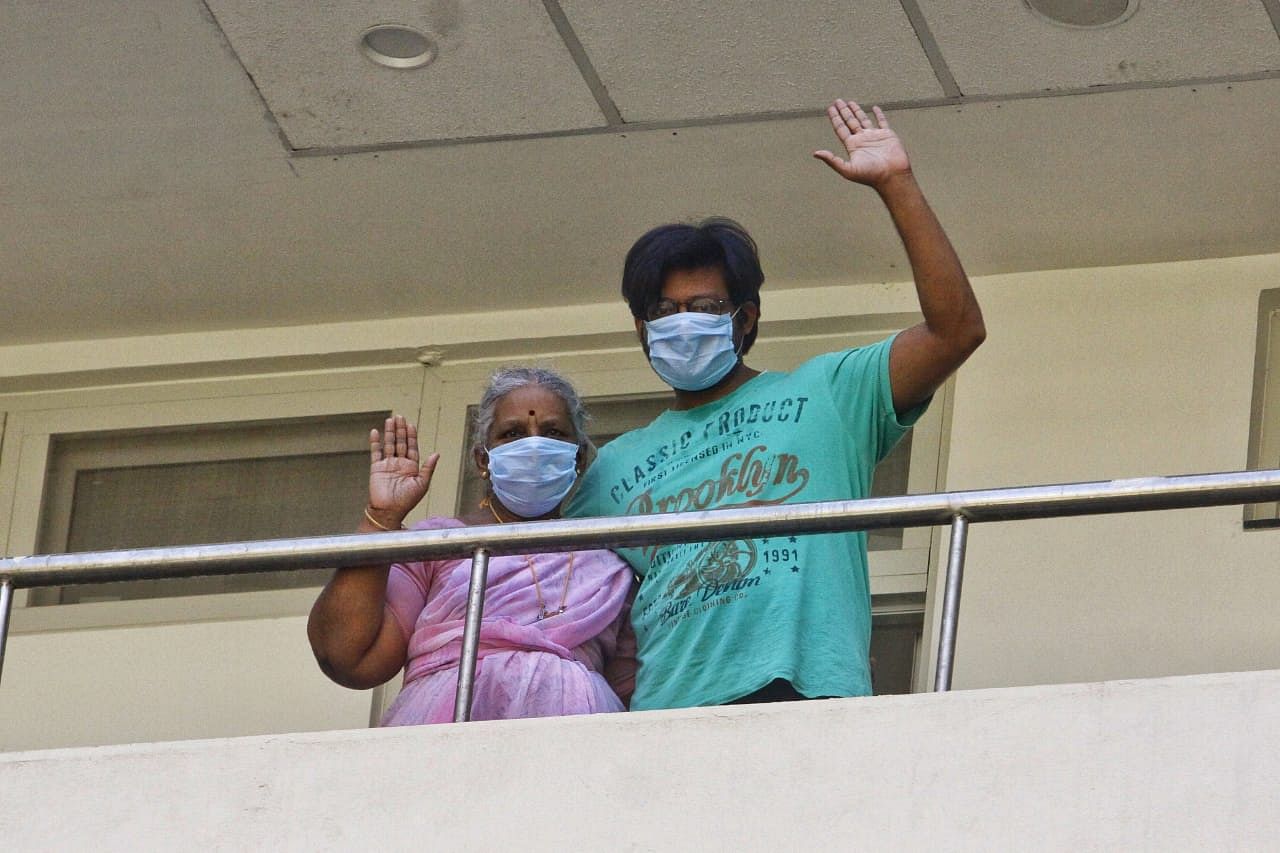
point(532, 475)
point(691, 351)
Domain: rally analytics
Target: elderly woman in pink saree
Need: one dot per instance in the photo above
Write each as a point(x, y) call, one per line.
point(556, 636)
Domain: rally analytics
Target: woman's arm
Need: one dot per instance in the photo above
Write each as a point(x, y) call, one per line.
point(353, 634)
point(620, 668)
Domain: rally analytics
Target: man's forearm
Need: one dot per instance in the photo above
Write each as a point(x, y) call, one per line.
point(947, 301)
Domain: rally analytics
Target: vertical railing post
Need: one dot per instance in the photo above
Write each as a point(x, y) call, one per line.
point(951, 603)
point(471, 636)
point(6, 607)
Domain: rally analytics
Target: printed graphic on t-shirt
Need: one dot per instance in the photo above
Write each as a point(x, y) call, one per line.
point(726, 461)
point(742, 475)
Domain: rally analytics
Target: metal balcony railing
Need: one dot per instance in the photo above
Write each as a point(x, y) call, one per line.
point(959, 509)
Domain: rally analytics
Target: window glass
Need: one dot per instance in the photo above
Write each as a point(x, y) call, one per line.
point(895, 643)
point(221, 483)
point(890, 479)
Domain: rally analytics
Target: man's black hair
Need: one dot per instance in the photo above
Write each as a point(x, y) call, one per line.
point(715, 243)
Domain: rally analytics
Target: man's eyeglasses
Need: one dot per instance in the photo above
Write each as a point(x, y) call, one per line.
point(698, 305)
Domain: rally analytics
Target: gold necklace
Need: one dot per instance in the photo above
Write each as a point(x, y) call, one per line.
point(485, 502)
point(543, 613)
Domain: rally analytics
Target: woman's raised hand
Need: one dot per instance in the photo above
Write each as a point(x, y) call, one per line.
point(875, 154)
point(396, 482)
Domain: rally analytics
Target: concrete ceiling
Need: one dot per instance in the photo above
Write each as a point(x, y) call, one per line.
point(176, 166)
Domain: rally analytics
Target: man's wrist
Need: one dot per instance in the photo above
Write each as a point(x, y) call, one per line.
point(897, 182)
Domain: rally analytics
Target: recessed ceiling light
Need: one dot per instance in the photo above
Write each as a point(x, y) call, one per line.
point(1084, 14)
point(397, 46)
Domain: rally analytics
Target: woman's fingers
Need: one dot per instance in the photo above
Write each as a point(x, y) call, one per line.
point(429, 468)
point(399, 439)
point(389, 438)
point(411, 439)
point(402, 436)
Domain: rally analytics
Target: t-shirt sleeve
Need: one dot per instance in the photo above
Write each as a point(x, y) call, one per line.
point(585, 502)
point(861, 389)
point(408, 584)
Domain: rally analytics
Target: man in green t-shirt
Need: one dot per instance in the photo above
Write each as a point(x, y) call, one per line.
point(778, 617)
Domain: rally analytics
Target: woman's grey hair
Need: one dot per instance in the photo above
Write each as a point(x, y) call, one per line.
point(507, 379)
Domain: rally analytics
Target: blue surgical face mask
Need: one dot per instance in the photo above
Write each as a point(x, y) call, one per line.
point(532, 475)
point(691, 351)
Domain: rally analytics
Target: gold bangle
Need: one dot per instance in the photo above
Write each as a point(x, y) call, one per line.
point(376, 524)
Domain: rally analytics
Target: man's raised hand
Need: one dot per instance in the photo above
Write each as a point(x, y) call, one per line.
point(874, 152)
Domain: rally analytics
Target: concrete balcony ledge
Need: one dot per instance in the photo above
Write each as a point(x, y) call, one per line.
point(1172, 763)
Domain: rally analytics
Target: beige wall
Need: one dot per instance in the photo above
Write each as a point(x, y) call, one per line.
point(1087, 374)
point(1102, 374)
point(168, 682)
point(1175, 764)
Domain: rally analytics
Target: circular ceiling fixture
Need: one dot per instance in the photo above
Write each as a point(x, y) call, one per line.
point(1084, 14)
point(397, 46)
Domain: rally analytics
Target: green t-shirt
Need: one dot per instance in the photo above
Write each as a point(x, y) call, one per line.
point(715, 621)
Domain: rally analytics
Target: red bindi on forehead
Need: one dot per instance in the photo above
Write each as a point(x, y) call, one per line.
point(531, 405)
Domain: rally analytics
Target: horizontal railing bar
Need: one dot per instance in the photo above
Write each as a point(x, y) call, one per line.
point(1006, 504)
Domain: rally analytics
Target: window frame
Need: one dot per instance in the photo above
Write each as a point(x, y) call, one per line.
point(1264, 418)
point(158, 451)
point(32, 421)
